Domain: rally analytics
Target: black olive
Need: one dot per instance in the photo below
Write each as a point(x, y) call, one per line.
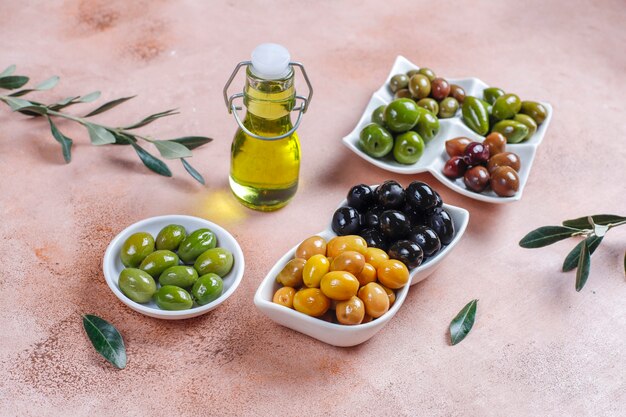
point(407, 252)
point(346, 221)
point(361, 197)
point(441, 222)
point(371, 219)
point(426, 238)
point(394, 225)
point(420, 196)
point(374, 238)
point(390, 195)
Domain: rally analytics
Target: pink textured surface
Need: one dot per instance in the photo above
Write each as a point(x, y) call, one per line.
point(538, 347)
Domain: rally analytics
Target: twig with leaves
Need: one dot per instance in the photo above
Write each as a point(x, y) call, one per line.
point(99, 134)
point(592, 228)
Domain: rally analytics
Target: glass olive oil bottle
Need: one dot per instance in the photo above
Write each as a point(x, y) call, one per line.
point(265, 154)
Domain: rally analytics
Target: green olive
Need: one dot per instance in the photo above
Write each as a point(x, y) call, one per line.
point(429, 104)
point(217, 260)
point(427, 126)
point(401, 115)
point(408, 148)
point(398, 82)
point(475, 114)
point(513, 131)
point(419, 86)
point(430, 74)
point(170, 297)
point(529, 122)
point(448, 107)
point(412, 73)
point(535, 110)
point(207, 288)
point(180, 275)
point(170, 237)
point(195, 244)
point(491, 94)
point(375, 140)
point(136, 248)
point(158, 261)
point(506, 106)
point(137, 285)
point(378, 116)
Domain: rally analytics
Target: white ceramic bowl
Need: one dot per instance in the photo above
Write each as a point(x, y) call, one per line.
point(112, 265)
point(435, 157)
point(337, 334)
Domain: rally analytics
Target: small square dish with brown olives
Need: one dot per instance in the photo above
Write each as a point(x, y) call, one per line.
point(408, 120)
point(344, 284)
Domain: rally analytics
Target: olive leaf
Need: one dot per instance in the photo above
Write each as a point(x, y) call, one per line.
point(42, 86)
point(152, 162)
point(109, 105)
point(151, 119)
point(11, 82)
point(171, 150)
point(545, 236)
point(66, 143)
point(8, 71)
point(99, 135)
point(584, 265)
point(598, 219)
point(461, 325)
point(192, 142)
point(16, 103)
point(192, 171)
point(571, 260)
point(88, 98)
point(105, 338)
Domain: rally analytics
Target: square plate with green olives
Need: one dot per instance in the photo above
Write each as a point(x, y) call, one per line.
point(197, 281)
point(433, 153)
point(348, 335)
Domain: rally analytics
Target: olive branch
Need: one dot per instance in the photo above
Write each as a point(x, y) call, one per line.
point(99, 134)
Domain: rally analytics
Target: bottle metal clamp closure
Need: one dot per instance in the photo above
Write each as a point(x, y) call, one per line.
point(232, 108)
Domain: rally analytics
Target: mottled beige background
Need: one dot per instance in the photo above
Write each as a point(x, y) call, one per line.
point(538, 348)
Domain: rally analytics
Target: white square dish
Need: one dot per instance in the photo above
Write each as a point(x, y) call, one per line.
point(434, 156)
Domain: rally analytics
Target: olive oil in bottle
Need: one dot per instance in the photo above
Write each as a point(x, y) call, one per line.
point(265, 154)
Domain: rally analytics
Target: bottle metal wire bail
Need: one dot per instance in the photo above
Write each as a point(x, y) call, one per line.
point(233, 108)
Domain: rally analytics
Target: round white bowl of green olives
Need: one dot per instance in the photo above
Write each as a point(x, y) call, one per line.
point(173, 267)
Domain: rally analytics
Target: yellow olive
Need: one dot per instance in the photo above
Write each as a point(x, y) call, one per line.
point(391, 294)
point(367, 275)
point(314, 269)
point(311, 301)
point(341, 244)
point(339, 285)
point(393, 274)
point(284, 296)
point(315, 245)
point(375, 256)
point(349, 261)
point(291, 274)
point(351, 311)
point(375, 299)
point(367, 318)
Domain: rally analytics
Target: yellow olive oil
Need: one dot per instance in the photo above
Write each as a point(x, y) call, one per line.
point(264, 172)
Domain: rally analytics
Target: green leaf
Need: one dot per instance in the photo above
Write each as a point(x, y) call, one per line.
point(171, 150)
point(8, 71)
point(192, 142)
point(571, 260)
point(463, 322)
point(192, 171)
point(545, 236)
point(34, 110)
point(17, 103)
point(152, 162)
point(106, 340)
point(109, 105)
point(151, 119)
point(99, 135)
point(584, 264)
point(48, 84)
point(88, 98)
point(11, 82)
point(66, 143)
point(599, 219)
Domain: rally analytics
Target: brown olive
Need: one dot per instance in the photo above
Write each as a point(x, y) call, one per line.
point(349, 261)
point(291, 274)
point(375, 299)
point(476, 178)
point(495, 142)
point(504, 181)
point(412, 73)
point(456, 146)
point(284, 296)
point(315, 245)
point(404, 93)
point(351, 311)
point(457, 92)
point(419, 85)
point(508, 159)
point(398, 82)
point(440, 88)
